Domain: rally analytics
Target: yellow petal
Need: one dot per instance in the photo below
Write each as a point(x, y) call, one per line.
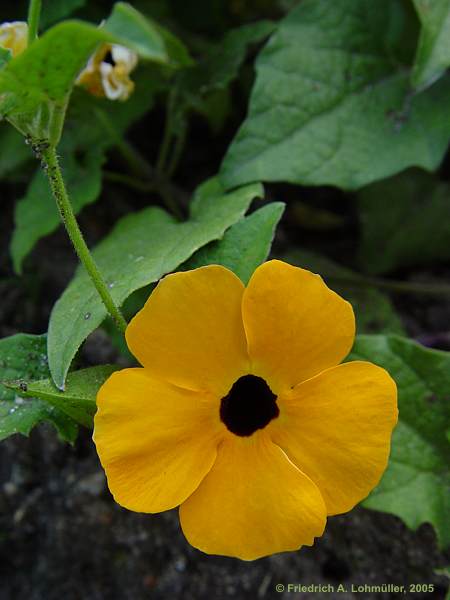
point(295, 325)
point(252, 503)
point(190, 331)
point(155, 441)
point(337, 429)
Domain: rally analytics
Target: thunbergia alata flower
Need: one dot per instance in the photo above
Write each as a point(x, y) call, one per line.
point(242, 414)
point(14, 36)
point(107, 72)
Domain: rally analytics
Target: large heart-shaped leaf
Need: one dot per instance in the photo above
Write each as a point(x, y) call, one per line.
point(332, 104)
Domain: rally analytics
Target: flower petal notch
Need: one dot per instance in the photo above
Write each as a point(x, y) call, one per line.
point(252, 503)
point(241, 414)
point(107, 74)
point(296, 326)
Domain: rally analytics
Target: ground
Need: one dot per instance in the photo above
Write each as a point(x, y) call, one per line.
point(62, 536)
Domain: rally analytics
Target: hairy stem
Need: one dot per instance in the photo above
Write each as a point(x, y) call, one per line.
point(76, 237)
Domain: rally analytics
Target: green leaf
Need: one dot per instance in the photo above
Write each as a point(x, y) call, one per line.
point(35, 86)
point(203, 87)
point(24, 357)
point(415, 485)
point(244, 246)
point(411, 211)
point(83, 145)
point(78, 401)
point(374, 310)
point(36, 214)
point(145, 36)
point(331, 103)
point(142, 248)
point(223, 61)
point(82, 118)
point(13, 151)
point(222, 64)
point(433, 51)
point(5, 57)
point(52, 11)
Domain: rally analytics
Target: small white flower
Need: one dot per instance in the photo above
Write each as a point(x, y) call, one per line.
point(107, 72)
point(14, 36)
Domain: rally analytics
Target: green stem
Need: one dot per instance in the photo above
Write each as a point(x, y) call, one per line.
point(166, 142)
point(131, 182)
point(407, 287)
point(401, 287)
point(165, 192)
point(34, 13)
point(67, 215)
point(177, 151)
point(164, 189)
point(164, 147)
point(137, 163)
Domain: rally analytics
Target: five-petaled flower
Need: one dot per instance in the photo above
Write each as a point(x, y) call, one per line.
point(14, 36)
point(107, 72)
point(242, 414)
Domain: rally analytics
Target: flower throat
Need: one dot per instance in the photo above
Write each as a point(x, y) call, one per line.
point(248, 406)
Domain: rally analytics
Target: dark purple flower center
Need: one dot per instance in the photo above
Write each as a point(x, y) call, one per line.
point(248, 406)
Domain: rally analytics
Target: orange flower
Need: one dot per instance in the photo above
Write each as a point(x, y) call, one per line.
point(242, 414)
